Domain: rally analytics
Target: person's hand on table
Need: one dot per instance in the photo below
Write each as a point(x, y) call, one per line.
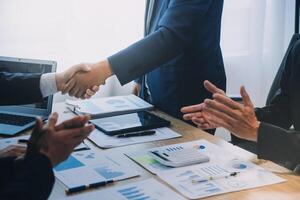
point(196, 114)
point(57, 142)
point(84, 84)
point(13, 151)
point(238, 118)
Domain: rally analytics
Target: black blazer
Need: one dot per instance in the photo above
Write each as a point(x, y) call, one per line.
point(29, 179)
point(33, 177)
point(19, 88)
point(276, 141)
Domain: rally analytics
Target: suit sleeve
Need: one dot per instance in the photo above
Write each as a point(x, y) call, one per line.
point(32, 179)
point(19, 88)
point(171, 39)
point(277, 144)
point(278, 112)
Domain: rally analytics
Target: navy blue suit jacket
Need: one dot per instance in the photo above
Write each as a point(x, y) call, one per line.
point(180, 50)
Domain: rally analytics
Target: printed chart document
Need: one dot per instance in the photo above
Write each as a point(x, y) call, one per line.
point(104, 141)
point(109, 106)
point(209, 149)
point(94, 167)
point(149, 189)
point(194, 181)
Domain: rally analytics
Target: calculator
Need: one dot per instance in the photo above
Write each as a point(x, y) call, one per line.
point(177, 156)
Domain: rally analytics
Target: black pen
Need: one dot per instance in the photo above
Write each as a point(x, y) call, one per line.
point(23, 141)
point(143, 133)
point(85, 187)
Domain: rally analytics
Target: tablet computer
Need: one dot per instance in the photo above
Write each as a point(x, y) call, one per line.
point(127, 123)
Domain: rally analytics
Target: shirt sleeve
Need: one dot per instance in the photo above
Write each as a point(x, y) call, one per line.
point(48, 84)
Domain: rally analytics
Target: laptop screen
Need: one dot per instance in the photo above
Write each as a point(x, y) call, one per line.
point(29, 66)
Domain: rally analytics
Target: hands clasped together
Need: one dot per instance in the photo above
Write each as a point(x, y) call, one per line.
point(221, 111)
point(83, 80)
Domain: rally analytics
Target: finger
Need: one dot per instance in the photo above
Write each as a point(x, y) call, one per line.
point(95, 88)
point(74, 90)
point(19, 149)
point(212, 88)
point(36, 131)
point(228, 102)
point(70, 84)
point(192, 115)
point(222, 108)
point(90, 92)
point(75, 122)
point(52, 120)
point(204, 126)
point(219, 119)
point(246, 98)
point(193, 108)
point(80, 93)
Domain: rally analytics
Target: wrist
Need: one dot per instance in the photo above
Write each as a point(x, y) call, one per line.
point(48, 155)
point(255, 131)
point(106, 69)
point(59, 79)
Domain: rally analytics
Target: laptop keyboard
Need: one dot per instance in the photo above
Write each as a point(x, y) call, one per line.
point(16, 120)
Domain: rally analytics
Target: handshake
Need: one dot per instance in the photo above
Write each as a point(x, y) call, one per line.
point(83, 80)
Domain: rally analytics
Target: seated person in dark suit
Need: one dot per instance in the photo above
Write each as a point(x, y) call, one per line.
point(268, 126)
point(31, 177)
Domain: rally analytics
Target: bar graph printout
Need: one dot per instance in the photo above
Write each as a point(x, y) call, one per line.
point(92, 167)
point(149, 189)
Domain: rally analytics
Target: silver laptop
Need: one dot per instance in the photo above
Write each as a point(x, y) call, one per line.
point(17, 118)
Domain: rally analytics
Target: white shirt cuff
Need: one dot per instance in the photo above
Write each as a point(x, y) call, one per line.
point(48, 84)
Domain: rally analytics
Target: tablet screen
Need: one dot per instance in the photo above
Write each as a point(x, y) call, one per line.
point(121, 123)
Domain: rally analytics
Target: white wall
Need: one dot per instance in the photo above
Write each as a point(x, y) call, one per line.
point(69, 31)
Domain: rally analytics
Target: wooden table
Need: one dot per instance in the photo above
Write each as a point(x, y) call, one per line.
point(282, 191)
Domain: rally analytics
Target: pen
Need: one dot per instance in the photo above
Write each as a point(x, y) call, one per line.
point(85, 187)
point(23, 141)
point(214, 177)
point(144, 133)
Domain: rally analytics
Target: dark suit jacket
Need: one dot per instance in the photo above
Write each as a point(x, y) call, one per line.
point(31, 178)
point(276, 141)
point(19, 88)
point(180, 50)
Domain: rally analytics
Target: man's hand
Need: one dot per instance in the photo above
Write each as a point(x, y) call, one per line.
point(196, 114)
point(237, 118)
point(136, 89)
point(82, 81)
point(13, 150)
point(57, 142)
point(63, 78)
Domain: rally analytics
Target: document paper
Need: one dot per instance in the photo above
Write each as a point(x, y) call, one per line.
point(93, 167)
point(104, 141)
point(109, 106)
point(248, 176)
point(149, 189)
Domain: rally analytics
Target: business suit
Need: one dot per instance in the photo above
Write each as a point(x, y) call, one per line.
point(32, 177)
point(180, 50)
point(19, 88)
point(276, 141)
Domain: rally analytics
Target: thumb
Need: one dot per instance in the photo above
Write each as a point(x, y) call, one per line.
point(83, 67)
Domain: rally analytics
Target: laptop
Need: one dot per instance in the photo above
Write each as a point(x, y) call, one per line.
point(17, 118)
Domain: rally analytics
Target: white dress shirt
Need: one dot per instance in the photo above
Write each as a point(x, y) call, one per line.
point(48, 84)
